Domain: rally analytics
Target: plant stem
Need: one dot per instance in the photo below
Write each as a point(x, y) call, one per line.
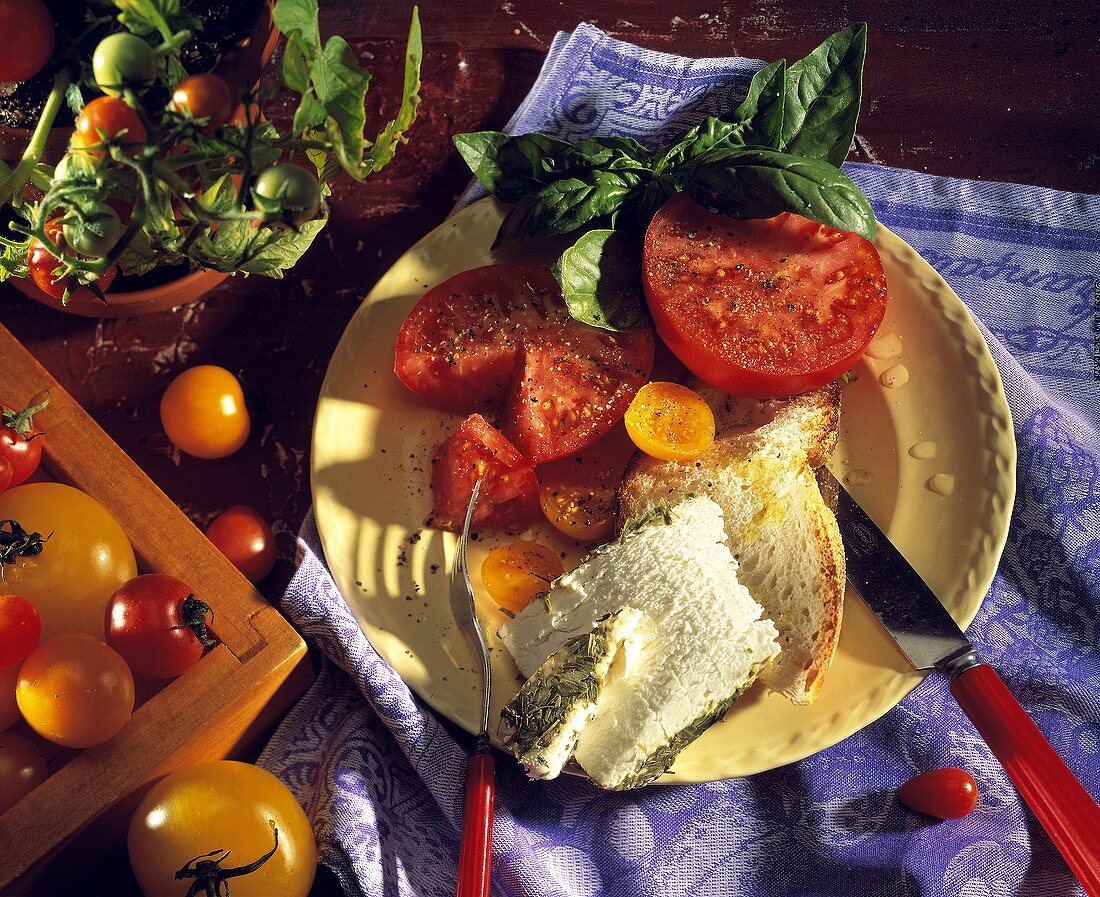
point(12, 188)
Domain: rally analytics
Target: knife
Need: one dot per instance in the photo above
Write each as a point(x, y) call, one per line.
point(930, 639)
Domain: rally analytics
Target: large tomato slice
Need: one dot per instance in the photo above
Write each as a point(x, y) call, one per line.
point(768, 307)
point(500, 337)
point(509, 497)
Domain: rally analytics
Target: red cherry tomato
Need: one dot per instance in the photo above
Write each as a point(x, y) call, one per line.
point(157, 625)
point(20, 629)
point(20, 444)
point(204, 96)
point(766, 307)
point(948, 793)
point(244, 537)
point(109, 117)
point(28, 38)
point(9, 709)
point(43, 263)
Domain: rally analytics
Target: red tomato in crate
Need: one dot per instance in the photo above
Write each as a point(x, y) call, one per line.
point(948, 793)
point(765, 308)
point(157, 625)
point(22, 769)
point(501, 335)
point(9, 707)
point(20, 629)
point(20, 444)
point(6, 473)
point(246, 539)
point(509, 497)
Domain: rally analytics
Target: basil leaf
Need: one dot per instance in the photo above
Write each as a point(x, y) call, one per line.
point(756, 183)
point(570, 203)
point(600, 280)
point(823, 97)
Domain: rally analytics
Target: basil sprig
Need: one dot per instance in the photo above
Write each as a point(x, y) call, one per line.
point(778, 151)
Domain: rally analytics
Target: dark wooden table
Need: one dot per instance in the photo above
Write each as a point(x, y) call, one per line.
point(993, 90)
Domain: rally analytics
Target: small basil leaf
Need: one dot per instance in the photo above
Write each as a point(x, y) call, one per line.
point(600, 277)
point(568, 204)
point(756, 183)
point(823, 97)
point(508, 167)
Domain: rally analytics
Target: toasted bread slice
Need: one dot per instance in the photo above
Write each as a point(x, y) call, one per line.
point(783, 533)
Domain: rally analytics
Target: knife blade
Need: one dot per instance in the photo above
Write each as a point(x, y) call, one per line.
point(925, 632)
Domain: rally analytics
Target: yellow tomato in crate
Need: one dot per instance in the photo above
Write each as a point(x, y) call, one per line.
point(203, 412)
point(75, 691)
point(9, 708)
point(224, 815)
point(85, 560)
point(22, 769)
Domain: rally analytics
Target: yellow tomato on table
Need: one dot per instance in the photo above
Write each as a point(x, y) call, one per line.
point(204, 414)
point(85, 560)
point(200, 814)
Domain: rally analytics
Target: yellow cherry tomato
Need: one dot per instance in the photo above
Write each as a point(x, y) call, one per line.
point(86, 559)
point(515, 573)
point(203, 412)
point(578, 496)
point(22, 769)
point(9, 709)
point(75, 691)
point(670, 422)
point(216, 808)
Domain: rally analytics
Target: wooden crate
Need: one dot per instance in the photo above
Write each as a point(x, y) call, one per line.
point(219, 708)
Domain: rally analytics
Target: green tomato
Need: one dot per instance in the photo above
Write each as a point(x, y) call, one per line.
point(293, 186)
point(72, 166)
point(124, 60)
point(97, 234)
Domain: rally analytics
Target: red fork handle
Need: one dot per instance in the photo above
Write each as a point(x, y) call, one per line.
point(1061, 804)
point(475, 857)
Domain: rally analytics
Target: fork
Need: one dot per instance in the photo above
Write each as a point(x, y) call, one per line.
point(476, 853)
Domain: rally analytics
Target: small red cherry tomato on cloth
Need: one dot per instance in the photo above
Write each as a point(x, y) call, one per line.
point(246, 539)
point(20, 629)
point(948, 793)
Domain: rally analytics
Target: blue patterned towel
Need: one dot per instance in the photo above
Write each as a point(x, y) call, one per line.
point(381, 776)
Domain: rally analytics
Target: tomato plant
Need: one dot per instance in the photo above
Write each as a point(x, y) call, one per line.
point(20, 629)
point(670, 422)
point(110, 119)
point(124, 61)
point(158, 626)
point(19, 442)
point(85, 559)
point(26, 38)
point(515, 573)
point(244, 537)
point(214, 811)
point(948, 793)
point(9, 707)
point(75, 691)
point(43, 265)
point(22, 769)
point(205, 98)
point(204, 414)
point(288, 192)
point(764, 307)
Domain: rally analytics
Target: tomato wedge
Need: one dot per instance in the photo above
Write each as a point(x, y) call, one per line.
point(500, 338)
point(509, 497)
point(765, 308)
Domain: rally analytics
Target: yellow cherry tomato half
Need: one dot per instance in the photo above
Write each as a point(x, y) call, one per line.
point(9, 708)
point(86, 559)
point(670, 422)
point(203, 811)
point(578, 496)
point(75, 691)
point(22, 769)
point(203, 412)
point(515, 573)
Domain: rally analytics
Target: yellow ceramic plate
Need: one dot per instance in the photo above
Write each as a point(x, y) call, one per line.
point(943, 422)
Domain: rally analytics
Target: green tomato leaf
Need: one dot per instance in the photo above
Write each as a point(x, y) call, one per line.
point(141, 257)
point(754, 183)
point(299, 16)
point(275, 250)
point(823, 96)
point(393, 134)
point(600, 277)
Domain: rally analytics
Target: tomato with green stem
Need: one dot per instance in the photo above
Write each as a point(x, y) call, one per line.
point(158, 626)
point(246, 539)
point(124, 61)
point(204, 414)
point(22, 769)
point(42, 264)
point(94, 231)
point(28, 39)
point(224, 820)
point(290, 187)
point(204, 98)
point(20, 443)
point(110, 119)
point(9, 708)
point(20, 629)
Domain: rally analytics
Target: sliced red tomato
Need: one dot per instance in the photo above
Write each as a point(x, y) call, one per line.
point(768, 307)
point(500, 337)
point(509, 497)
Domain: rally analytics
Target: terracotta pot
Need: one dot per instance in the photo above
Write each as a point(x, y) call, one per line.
point(133, 304)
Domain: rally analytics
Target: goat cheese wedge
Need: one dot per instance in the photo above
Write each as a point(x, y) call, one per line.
point(705, 638)
point(542, 723)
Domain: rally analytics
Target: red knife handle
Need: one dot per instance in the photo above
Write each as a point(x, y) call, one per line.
point(1061, 804)
point(475, 857)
